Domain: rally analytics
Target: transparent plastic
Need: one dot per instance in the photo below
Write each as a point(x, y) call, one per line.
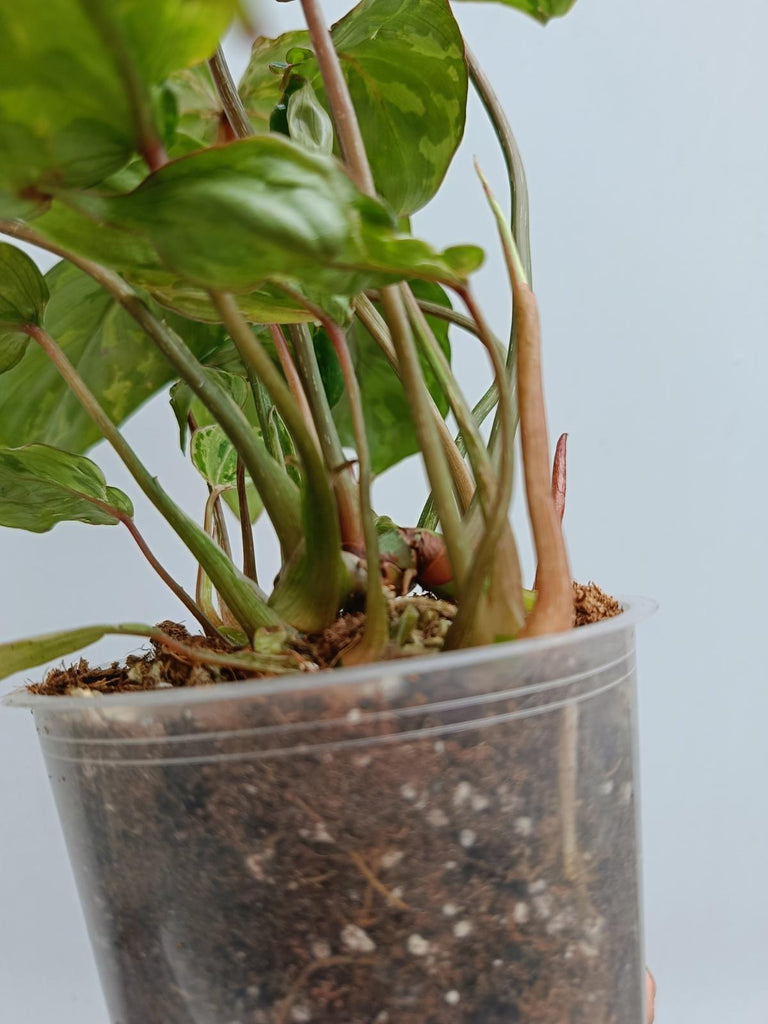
point(452, 839)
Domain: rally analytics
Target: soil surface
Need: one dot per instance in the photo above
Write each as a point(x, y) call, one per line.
point(160, 667)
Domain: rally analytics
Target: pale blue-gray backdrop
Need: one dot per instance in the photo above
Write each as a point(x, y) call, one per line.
point(643, 127)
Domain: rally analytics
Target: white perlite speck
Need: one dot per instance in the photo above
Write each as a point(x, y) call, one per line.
point(462, 929)
point(452, 998)
point(354, 715)
point(462, 794)
point(522, 913)
point(450, 909)
point(467, 838)
point(480, 802)
point(301, 1014)
point(606, 788)
point(437, 818)
point(417, 945)
point(356, 940)
point(321, 949)
point(322, 835)
point(537, 887)
point(439, 747)
point(524, 827)
point(408, 792)
point(391, 859)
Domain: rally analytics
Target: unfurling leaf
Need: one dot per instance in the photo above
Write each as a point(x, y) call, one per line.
point(41, 486)
point(308, 123)
point(405, 69)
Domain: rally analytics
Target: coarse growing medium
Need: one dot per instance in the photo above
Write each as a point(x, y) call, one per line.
point(161, 667)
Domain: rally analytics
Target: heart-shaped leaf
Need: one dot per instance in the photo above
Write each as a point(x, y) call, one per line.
point(112, 354)
point(41, 486)
point(405, 68)
point(74, 73)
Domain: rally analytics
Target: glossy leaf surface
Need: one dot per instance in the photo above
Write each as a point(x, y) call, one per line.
point(404, 65)
point(112, 354)
point(41, 486)
point(71, 75)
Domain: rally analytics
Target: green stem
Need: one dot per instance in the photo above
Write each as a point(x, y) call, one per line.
point(463, 483)
point(240, 594)
point(229, 96)
point(427, 436)
point(330, 444)
point(478, 455)
point(276, 489)
point(264, 413)
point(293, 379)
point(376, 631)
point(322, 569)
point(463, 625)
point(519, 221)
point(353, 149)
point(148, 141)
point(246, 529)
point(518, 185)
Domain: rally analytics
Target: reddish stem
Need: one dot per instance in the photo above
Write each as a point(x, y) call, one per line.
point(293, 378)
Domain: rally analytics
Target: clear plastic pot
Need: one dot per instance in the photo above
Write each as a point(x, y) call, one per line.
point(452, 839)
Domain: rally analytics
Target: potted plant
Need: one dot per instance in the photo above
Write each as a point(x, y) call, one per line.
point(393, 785)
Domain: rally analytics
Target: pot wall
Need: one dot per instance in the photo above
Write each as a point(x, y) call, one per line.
point(446, 840)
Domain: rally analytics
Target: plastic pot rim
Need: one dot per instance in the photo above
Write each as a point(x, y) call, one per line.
point(635, 610)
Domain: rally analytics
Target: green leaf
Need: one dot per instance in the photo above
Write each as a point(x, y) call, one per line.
point(41, 486)
point(198, 104)
point(184, 401)
point(405, 68)
point(388, 420)
point(19, 655)
point(66, 112)
point(23, 297)
point(261, 87)
point(110, 351)
point(23, 291)
point(308, 123)
point(313, 227)
point(542, 10)
point(214, 457)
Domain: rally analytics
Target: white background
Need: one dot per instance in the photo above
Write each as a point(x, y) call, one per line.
point(643, 127)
